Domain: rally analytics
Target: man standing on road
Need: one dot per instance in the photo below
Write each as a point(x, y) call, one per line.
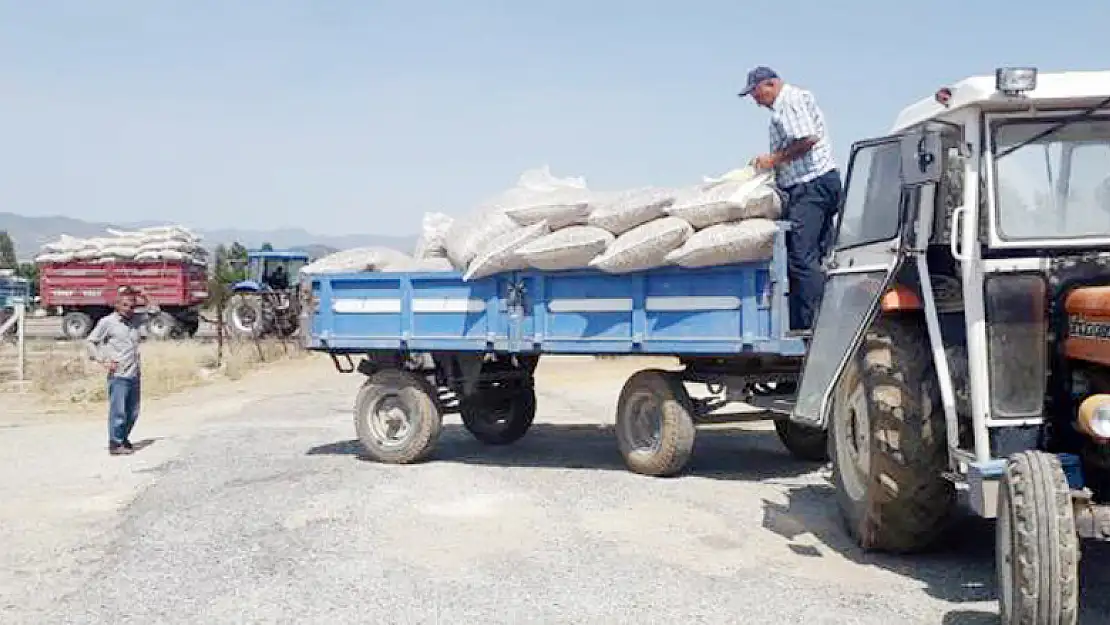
point(807, 175)
point(114, 343)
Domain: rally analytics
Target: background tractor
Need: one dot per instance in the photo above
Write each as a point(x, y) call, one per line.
point(963, 342)
point(266, 303)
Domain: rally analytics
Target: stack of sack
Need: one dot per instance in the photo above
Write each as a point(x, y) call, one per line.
point(156, 244)
point(430, 254)
point(555, 224)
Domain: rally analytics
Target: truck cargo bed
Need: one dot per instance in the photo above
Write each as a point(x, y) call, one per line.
point(725, 310)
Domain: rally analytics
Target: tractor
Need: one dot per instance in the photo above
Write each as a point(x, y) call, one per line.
point(963, 340)
point(267, 303)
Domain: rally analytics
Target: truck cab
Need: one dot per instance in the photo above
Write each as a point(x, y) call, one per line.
point(968, 349)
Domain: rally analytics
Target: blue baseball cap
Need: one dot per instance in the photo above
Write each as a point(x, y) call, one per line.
point(757, 76)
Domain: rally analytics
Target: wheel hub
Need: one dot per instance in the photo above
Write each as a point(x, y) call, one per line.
point(390, 423)
point(854, 440)
point(645, 426)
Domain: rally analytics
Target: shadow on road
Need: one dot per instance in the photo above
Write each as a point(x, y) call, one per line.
point(720, 453)
point(959, 571)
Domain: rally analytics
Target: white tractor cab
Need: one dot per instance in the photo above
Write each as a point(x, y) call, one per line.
point(963, 342)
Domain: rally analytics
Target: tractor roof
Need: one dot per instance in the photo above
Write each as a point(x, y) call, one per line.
point(1053, 89)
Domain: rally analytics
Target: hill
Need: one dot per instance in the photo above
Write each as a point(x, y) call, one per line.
point(28, 233)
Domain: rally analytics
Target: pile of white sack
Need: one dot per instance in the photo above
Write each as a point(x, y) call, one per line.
point(156, 244)
point(557, 224)
point(430, 254)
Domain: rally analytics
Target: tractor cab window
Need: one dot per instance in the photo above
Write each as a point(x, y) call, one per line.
point(1052, 186)
point(871, 202)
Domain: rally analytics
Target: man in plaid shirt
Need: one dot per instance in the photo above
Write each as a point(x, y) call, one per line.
point(807, 175)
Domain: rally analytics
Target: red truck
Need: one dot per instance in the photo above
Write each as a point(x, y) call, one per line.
point(85, 292)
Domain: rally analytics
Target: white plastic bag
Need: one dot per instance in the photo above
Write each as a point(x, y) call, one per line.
point(620, 212)
point(500, 255)
point(644, 247)
point(727, 201)
point(570, 248)
point(724, 244)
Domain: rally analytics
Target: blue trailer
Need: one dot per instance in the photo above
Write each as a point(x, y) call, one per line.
point(432, 344)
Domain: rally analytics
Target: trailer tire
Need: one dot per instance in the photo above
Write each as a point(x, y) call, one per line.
point(655, 425)
point(804, 443)
point(499, 416)
point(162, 326)
point(1036, 546)
point(888, 442)
point(76, 325)
point(387, 398)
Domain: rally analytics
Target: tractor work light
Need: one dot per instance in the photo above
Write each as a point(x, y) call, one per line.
point(1094, 417)
point(1015, 80)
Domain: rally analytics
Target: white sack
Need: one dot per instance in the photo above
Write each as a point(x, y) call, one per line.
point(433, 238)
point(468, 236)
point(570, 248)
point(725, 244)
point(433, 263)
point(500, 255)
point(620, 212)
point(727, 201)
point(644, 247)
point(356, 260)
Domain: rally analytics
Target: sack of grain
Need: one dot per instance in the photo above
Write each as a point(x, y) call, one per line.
point(500, 255)
point(468, 236)
point(433, 238)
point(731, 200)
point(620, 212)
point(725, 244)
point(644, 247)
point(570, 248)
point(356, 260)
point(558, 206)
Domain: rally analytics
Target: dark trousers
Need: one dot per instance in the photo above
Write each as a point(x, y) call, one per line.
point(123, 407)
point(810, 208)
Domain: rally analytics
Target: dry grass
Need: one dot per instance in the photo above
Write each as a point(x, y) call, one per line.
point(61, 372)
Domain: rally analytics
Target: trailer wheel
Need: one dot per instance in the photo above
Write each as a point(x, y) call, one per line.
point(499, 416)
point(161, 326)
point(76, 325)
point(1036, 547)
point(888, 442)
point(804, 443)
point(655, 424)
point(397, 419)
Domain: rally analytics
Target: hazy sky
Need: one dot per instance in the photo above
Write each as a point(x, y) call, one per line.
point(358, 116)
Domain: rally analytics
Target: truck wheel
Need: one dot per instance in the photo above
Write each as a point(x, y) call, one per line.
point(655, 423)
point(804, 443)
point(76, 325)
point(161, 326)
point(1036, 547)
point(499, 416)
point(888, 442)
point(397, 419)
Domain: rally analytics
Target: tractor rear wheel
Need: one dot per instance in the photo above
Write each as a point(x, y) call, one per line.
point(245, 315)
point(888, 442)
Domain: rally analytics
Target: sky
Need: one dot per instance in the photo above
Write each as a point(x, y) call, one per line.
point(357, 116)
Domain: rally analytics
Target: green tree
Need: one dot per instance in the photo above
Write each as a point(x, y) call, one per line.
point(7, 252)
point(266, 247)
point(30, 271)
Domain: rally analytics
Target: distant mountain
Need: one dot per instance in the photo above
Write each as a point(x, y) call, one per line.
point(29, 233)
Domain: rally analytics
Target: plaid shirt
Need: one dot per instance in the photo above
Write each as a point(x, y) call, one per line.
point(794, 115)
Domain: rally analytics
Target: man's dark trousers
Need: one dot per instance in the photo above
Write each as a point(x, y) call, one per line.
point(810, 208)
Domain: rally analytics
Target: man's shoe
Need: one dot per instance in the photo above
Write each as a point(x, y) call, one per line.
point(127, 445)
point(119, 450)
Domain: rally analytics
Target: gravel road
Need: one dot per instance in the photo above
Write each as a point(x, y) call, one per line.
point(250, 504)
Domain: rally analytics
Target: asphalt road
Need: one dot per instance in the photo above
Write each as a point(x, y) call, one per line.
point(251, 504)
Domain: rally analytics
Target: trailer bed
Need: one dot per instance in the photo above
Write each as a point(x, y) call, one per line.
point(711, 311)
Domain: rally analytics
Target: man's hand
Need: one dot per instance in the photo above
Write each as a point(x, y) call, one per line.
point(764, 161)
point(110, 365)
